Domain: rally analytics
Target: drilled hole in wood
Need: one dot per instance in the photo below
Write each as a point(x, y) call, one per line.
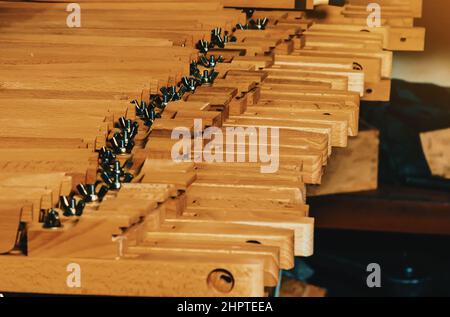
point(221, 280)
point(369, 91)
point(253, 241)
point(403, 39)
point(357, 66)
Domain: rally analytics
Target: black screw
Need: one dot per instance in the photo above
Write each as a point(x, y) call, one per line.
point(205, 77)
point(129, 125)
point(248, 12)
point(160, 102)
point(122, 142)
point(51, 219)
point(208, 78)
point(168, 93)
point(139, 107)
point(190, 83)
point(115, 180)
point(203, 46)
point(106, 156)
point(211, 62)
point(259, 24)
point(173, 93)
point(216, 38)
point(165, 100)
point(150, 115)
point(119, 145)
point(217, 31)
point(204, 61)
point(89, 192)
point(70, 206)
point(193, 69)
point(114, 169)
point(183, 89)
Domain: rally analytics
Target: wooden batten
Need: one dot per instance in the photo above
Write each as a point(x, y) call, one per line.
point(175, 227)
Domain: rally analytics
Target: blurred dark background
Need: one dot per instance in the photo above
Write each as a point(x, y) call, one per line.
point(405, 224)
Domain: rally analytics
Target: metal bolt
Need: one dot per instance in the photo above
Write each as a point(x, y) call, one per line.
point(106, 156)
point(259, 24)
point(129, 126)
point(150, 115)
point(70, 206)
point(139, 108)
point(89, 192)
point(193, 69)
point(183, 89)
point(51, 219)
point(212, 61)
point(248, 12)
point(190, 83)
point(112, 181)
point(204, 61)
point(123, 142)
point(205, 77)
point(216, 38)
point(115, 180)
point(203, 46)
point(208, 78)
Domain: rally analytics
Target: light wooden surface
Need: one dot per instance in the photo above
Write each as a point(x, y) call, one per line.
point(351, 169)
point(197, 228)
point(436, 147)
point(10, 213)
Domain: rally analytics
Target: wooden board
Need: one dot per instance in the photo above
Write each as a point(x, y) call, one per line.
point(352, 169)
point(199, 228)
point(436, 147)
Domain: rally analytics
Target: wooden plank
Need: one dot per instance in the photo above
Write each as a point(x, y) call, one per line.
point(10, 214)
point(352, 169)
point(197, 228)
point(435, 145)
point(175, 275)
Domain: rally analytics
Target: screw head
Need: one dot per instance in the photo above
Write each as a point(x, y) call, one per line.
point(51, 219)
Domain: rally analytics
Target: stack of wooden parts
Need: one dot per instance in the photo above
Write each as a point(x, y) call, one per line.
point(178, 229)
point(397, 18)
point(270, 4)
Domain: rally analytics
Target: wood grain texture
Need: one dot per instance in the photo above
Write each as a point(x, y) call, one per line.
point(352, 169)
point(436, 146)
point(194, 228)
point(10, 214)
